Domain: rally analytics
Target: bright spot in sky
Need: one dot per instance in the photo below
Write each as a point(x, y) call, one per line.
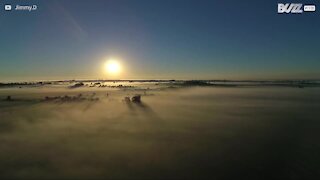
point(112, 67)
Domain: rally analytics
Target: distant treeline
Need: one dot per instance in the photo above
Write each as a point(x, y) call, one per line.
point(79, 83)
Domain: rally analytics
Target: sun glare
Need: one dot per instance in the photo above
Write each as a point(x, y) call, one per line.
point(112, 67)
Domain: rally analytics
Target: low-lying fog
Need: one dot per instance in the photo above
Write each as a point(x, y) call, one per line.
point(177, 133)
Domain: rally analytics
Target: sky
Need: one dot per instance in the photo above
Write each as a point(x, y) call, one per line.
point(153, 39)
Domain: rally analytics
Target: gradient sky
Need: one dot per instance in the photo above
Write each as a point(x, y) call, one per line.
point(161, 39)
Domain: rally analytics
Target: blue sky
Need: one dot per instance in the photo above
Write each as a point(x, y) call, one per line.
point(167, 39)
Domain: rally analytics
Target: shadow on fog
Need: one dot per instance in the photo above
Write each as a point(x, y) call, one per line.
point(142, 107)
point(89, 105)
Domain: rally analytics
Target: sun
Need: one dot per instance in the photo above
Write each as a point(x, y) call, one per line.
point(112, 67)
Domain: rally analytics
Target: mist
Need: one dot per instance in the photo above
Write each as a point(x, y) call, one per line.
point(182, 133)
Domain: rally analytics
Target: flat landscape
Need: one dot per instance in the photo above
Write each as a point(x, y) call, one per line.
point(179, 130)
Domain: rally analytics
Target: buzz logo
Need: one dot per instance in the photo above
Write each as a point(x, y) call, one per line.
point(295, 8)
point(289, 8)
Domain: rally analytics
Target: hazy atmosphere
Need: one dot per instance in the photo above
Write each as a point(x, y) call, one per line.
point(159, 89)
point(174, 133)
